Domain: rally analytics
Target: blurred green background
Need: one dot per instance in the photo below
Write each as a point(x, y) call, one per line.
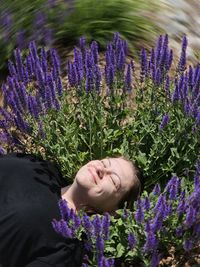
point(60, 23)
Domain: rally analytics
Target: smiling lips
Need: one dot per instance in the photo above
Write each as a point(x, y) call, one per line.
point(93, 175)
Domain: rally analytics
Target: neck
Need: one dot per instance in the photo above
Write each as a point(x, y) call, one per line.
point(69, 194)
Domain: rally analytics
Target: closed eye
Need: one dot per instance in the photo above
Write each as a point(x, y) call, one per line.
point(110, 175)
point(103, 164)
point(113, 181)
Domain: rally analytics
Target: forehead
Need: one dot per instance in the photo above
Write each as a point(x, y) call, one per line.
point(124, 170)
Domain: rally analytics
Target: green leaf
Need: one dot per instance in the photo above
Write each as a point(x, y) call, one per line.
point(119, 250)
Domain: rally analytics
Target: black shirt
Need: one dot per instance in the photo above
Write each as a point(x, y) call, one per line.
point(29, 192)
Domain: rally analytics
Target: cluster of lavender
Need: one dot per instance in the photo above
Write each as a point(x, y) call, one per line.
point(85, 71)
point(183, 87)
point(175, 204)
point(33, 87)
point(158, 63)
point(154, 215)
point(96, 230)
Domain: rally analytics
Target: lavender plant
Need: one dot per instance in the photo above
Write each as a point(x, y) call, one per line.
point(97, 110)
point(91, 115)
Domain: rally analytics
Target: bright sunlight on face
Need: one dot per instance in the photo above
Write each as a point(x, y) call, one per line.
point(104, 182)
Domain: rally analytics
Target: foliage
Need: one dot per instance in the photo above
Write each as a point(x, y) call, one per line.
point(22, 22)
point(151, 116)
point(98, 20)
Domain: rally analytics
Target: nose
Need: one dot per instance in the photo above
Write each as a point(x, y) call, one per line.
point(102, 170)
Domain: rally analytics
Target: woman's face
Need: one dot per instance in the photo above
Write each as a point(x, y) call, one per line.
point(102, 183)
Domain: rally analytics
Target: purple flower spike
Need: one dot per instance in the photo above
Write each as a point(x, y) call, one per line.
point(98, 77)
point(106, 225)
point(94, 50)
point(89, 80)
point(11, 68)
point(109, 73)
point(176, 93)
point(182, 61)
point(164, 53)
point(156, 190)
point(19, 64)
point(55, 62)
point(131, 240)
point(143, 63)
point(33, 51)
point(20, 123)
point(59, 86)
point(190, 216)
point(139, 216)
point(100, 246)
point(77, 221)
point(164, 122)
point(56, 226)
point(151, 242)
point(64, 209)
point(181, 207)
point(158, 78)
point(160, 203)
point(97, 225)
point(29, 66)
point(158, 50)
point(65, 230)
point(48, 98)
point(51, 85)
point(147, 227)
point(157, 222)
point(56, 104)
point(103, 262)
point(72, 74)
point(170, 60)
point(121, 60)
point(147, 203)
point(88, 226)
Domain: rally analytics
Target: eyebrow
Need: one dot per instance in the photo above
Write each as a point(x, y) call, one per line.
point(114, 172)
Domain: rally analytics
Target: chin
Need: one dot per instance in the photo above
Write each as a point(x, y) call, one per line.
point(83, 181)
